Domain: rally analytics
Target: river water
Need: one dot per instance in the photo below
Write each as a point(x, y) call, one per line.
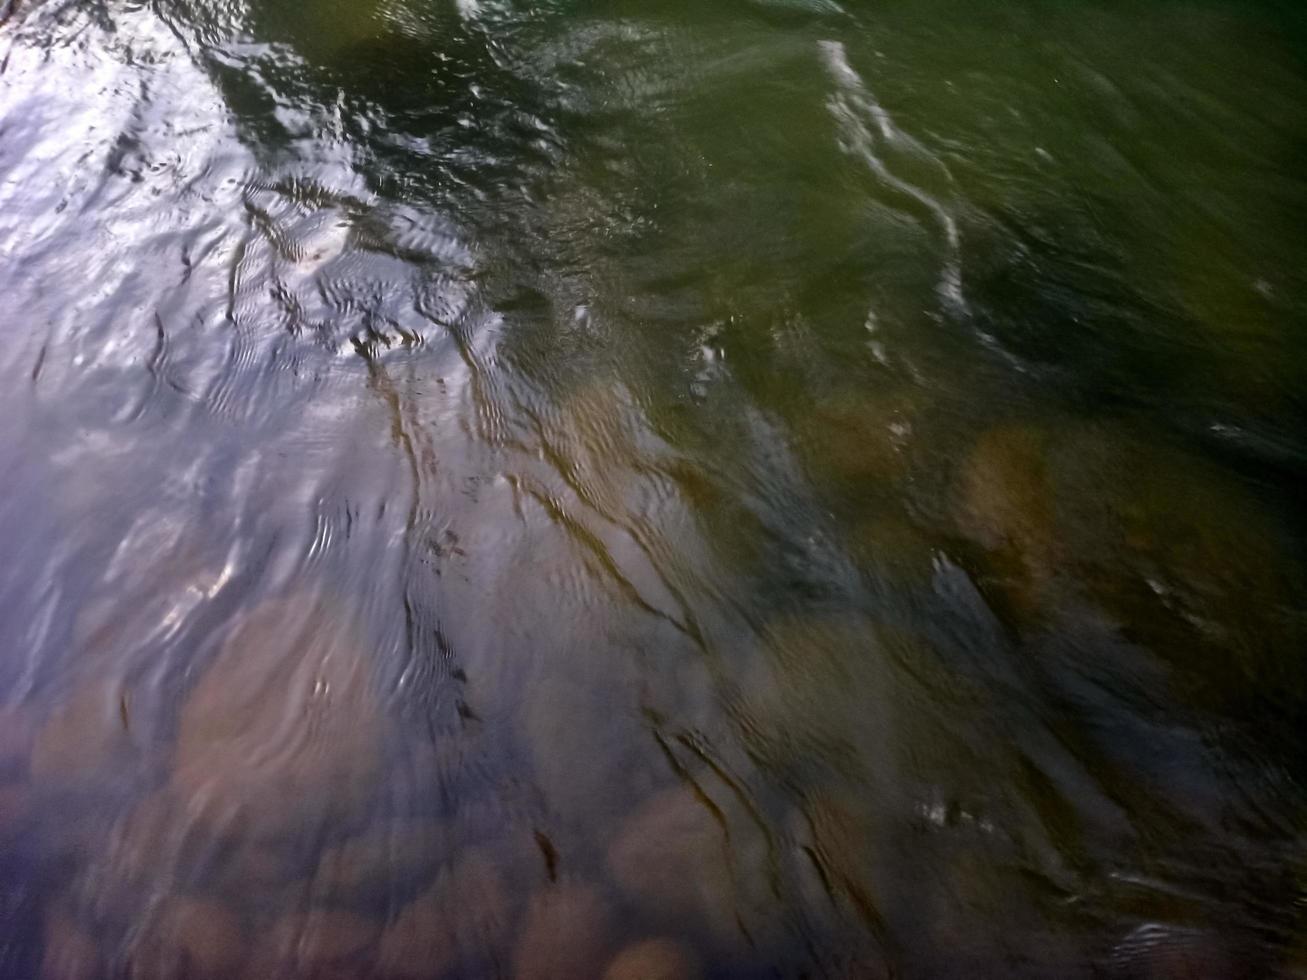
point(564, 489)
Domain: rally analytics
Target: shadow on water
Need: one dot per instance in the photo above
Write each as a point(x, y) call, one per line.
point(625, 490)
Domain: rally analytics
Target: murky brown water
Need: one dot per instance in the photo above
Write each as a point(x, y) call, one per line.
point(641, 489)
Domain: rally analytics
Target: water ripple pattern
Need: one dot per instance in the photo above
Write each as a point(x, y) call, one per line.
point(557, 489)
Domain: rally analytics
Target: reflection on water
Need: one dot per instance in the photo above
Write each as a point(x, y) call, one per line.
point(642, 489)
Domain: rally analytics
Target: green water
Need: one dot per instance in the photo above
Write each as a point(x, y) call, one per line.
point(764, 488)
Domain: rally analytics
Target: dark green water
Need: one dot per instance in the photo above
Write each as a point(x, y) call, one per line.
point(816, 489)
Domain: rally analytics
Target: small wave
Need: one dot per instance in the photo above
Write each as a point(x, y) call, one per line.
point(866, 126)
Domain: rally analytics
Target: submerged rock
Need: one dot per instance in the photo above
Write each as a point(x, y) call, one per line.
point(856, 442)
point(283, 731)
point(15, 790)
point(373, 865)
point(1177, 525)
point(818, 688)
point(255, 875)
point(688, 861)
point(87, 740)
point(463, 918)
point(1006, 504)
point(1180, 553)
point(894, 548)
point(189, 937)
point(655, 959)
point(565, 933)
point(831, 856)
point(16, 734)
point(1005, 497)
point(128, 860)
point(164, 845)
point(15, 809)
point(69, 952)
point(586, 747)
point(311, 940)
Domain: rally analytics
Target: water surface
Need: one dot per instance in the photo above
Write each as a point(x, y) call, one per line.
point(583, 489)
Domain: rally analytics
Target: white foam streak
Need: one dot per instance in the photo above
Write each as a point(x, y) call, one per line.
point(858, 113)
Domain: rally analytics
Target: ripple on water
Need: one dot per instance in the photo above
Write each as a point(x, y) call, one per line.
point(542, 490)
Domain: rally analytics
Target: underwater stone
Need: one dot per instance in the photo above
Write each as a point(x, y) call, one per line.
point(565, 933)
point(283, 731)
point(463, 916)
point(366, 866)
point(678, 863)
point(654, 959)
point(86, 739)
point(1005, 500)
point(15, 807)
point(16, 733)
point(313, 939)
point(582, 743)
point(69, 952)
point(191, 937)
